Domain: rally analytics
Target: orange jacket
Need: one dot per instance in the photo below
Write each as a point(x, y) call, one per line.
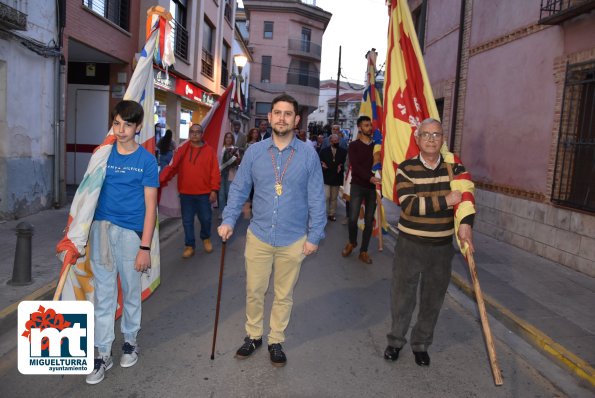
point(197, 169)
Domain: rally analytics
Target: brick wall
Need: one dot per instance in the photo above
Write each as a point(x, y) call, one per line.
point(95, 31)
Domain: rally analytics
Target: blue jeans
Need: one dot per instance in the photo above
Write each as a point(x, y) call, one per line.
point(200, 206)
point(123, 244)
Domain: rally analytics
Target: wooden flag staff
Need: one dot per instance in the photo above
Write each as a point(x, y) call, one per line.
point(487, 332)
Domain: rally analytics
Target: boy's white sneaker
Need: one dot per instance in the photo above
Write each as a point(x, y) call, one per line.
point(102, 365)
point(129, 355)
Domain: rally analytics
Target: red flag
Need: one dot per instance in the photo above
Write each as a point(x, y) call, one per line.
point(216, 120)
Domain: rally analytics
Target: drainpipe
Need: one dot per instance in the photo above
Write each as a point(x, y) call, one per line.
point(59, 114)
point(455, 103)
point(59, 106)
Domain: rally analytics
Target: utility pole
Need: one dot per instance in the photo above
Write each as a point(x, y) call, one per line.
point(336, 119)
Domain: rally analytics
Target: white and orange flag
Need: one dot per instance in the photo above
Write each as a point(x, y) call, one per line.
point(74, 247)
point(408, 100)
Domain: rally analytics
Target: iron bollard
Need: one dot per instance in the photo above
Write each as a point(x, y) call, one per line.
point(21, 271)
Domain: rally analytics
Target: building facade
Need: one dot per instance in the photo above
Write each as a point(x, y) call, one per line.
point(285, 38)
point(57, 90)
point(350, 98)
point(515, 84)
point(203, 36)
point(29, 107)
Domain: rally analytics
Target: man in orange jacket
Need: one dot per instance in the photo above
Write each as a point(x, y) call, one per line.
point(199, 179)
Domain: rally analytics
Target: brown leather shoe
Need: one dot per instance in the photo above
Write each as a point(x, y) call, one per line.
point(207, 245)
point(347, 250)
point(363, 256)
point(188, 252)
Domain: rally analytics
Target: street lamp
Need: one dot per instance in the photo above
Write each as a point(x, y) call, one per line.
point(240, 60)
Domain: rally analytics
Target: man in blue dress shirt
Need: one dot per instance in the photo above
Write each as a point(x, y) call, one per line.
point(288, 221)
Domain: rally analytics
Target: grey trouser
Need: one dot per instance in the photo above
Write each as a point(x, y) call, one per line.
point(413, 260)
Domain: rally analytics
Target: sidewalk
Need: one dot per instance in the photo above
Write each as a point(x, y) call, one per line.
point(48, 230)
point(546, 303)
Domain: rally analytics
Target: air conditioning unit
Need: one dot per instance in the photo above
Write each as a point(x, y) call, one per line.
point(265, 81)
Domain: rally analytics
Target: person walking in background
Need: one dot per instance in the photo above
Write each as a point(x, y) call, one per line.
point(166, 147)
point(263, 130)
point(287, 224)
point(120, 238)
point(332, 160)
point(363, 188)
point(253, 137)
point(239, 138)
point(199, 180)
point(230, 159)
point(424, 250)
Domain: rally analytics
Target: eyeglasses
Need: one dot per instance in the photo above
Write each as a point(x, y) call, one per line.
point(426, 136)
point(195, 131)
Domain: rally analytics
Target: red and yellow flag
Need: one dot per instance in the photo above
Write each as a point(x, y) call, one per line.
point(408, 100)
point(408, 97)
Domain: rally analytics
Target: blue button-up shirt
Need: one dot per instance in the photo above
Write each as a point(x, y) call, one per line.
point(298, 211)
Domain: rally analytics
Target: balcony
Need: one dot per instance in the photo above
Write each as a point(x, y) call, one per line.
point(180, 36)
point(207, 64)
point(116, 11)
point(554, 12)
point(224, 74)
point(13, 17)
point(303, 79)
point(303, 48)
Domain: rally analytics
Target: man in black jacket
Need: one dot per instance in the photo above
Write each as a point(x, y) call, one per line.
point(332, 160)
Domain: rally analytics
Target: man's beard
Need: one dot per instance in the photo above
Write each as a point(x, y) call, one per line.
point(281, 133)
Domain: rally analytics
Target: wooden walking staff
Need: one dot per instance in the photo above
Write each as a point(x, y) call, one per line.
point(487, 332)
point(218, 299)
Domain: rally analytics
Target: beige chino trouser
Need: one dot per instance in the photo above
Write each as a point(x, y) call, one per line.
point(331, 193)
point(261, 259)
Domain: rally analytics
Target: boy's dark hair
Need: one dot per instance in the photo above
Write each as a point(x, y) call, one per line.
point(363, 118)
point(129, 111)
point(286, 98)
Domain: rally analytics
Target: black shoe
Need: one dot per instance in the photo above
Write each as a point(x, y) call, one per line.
point(278, 357)
point(249, 346)
point(422, 358)
point(391, 353)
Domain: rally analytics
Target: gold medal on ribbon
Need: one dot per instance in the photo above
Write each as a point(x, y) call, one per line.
point(278, 189)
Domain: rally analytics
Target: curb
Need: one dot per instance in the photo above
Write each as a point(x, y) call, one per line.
point(556, 352)
point(8, 315)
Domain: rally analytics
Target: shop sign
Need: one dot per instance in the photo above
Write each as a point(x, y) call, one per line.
point(189, 90)
point(164, 80)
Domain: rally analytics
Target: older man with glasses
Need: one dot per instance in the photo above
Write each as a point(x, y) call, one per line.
point(199, 180)
point(424, 248)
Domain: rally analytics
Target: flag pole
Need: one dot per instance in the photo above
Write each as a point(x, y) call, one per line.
point(485, 325)
point(61, 282)
point(379, 219)
point(487, 332)
point(218, 299)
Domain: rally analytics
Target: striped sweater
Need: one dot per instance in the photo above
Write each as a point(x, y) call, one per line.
point(425, 216)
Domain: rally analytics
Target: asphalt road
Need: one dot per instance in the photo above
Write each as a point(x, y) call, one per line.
point(334, 345)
